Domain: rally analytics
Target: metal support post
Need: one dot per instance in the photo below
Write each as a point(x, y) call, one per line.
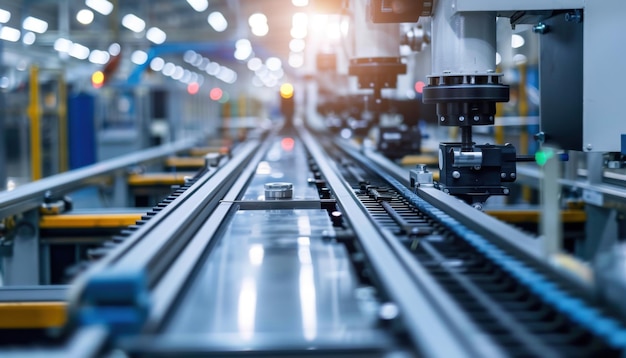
point(22, 266)
point(551, 228)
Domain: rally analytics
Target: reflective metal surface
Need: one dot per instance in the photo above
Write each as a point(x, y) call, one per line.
point(276, 274)
point(284, 162)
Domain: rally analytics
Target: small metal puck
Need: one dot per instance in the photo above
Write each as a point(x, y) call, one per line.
point(278, 191)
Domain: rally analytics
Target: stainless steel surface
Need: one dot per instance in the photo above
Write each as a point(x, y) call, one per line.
point(278, 190)
point(284, 162)
point(30, 196)
point(273, 273)
point(33, 293)
point(432, 336)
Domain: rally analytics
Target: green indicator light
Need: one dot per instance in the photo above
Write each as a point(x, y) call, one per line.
point(542, 157)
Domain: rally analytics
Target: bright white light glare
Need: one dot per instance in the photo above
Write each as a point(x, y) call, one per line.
point(156, 35)
point(79, 51)
point(35, 25)
point(99, 57)
point(257, 19)
point(300, 2)
point(213, 68)
point(29, 38)
point(62, 45)
point(189, 56)
point(296, 60)
point(344, 26)
point(227, 75)
point(5, 16)
point(84, 16)
point(260, 30)
point(300, 19)
point(298, 32)
point(243, 44)
point(217, 21)
point(333, 31)
point(139, 57)
point(178, 73)
point(169, 69)
point(9, 34)
point(517, 41)
point(133, 23)
point(157, 64)
point(243, 53)
point(498, 58)
point(114, 49)
point(520, 59)
point(4, 83)
point(254, 64)
point(199, 5)
point(102, 6)
point(273, 63)
point(296, 45)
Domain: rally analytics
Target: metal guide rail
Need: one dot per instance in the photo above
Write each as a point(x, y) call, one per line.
point(348, 262)
point(527, 307)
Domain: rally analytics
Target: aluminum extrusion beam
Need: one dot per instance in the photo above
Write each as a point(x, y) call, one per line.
point(497, 5)
point(431, 335)
point(31, 195)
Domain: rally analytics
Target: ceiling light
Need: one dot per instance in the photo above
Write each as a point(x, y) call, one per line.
point(517, 41)
point(257, 19)
point(62, 45)
point(260, 30)
point(300, 19)
point(157, 64)
point(178, 73)
point(84, 16)
point(29, 38)
point(99, 57)
point(139, 57)
point(5, 16)
point(169, 69)
point(217, 21)
point(156, 35)
point(34, 24)
point(300, 2)
point(79, 51)
point(298, 32)
point(189, 56)
point(102, 6)
point(296, 60)
point(273, 63)
point(296, 45)
point(199, 5)
point(133, 23)
point(9, 34)
point(114, 49)
point(254, 64)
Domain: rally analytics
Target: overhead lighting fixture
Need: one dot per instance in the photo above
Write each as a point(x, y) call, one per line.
point(199, 5)
point(178, 73)
point(102, 6)
point(254, 64)
point(63, 45)
point(99, 57)
point(243, 49)
point(169, 68)
point(217, 21)
point(156, 35)
point(133, 23)
point(79, 51)
point(29, 38)
point(157, 64)
point(296, 60)
point(35, 25)
point(139, 57)
point(9, 34)
point(260, 30)
point(257, 19)
point(273, 63)
point(114, 49)
point(84, 16)
point(5, 16)
point(300, 2)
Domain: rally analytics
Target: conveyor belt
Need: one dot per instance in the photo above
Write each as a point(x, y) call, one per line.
point(355, 263)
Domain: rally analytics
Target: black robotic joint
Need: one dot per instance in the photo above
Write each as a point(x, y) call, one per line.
point(474, 176)
point(466, 100)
